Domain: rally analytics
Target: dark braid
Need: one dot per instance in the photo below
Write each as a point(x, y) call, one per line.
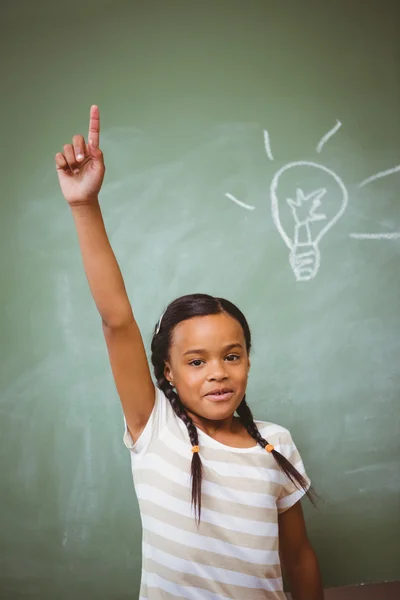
point(196, 466)
point(246, 417)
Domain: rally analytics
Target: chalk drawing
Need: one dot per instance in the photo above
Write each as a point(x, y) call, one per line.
point(375, 236)
point(379, 175)
point(303, 236)
point(267, 145)
point(328, 135)
point(305, 257)
point(243, 204)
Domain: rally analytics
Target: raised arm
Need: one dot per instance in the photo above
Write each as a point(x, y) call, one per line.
point(80, 170)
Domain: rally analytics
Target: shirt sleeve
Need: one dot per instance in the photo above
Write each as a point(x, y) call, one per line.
point(153, 427)
point(291, 492)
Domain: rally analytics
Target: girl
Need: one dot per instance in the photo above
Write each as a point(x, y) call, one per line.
point(219, 494)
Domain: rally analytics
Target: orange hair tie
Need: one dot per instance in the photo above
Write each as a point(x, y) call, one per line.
point(269, 447)
point(195, 448)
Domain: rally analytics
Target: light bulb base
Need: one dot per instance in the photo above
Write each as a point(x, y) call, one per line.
point(305, 260)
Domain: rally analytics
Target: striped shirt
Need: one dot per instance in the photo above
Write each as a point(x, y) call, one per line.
point(233, 554)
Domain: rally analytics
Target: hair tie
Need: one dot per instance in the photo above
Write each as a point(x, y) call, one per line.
point(195, 449)
point(269, 447)
point(159, 322)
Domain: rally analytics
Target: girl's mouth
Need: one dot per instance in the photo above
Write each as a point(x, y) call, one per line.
point(220, 395)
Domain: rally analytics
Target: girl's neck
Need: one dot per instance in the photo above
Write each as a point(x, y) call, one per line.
point(229, 431)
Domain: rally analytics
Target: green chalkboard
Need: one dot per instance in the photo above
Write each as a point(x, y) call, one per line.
point(252, 151)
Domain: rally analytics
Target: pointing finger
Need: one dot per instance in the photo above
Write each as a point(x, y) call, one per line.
point(94, 126)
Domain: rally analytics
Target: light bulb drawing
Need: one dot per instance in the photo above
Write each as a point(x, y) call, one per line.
point(303, 234)
point(307, 199)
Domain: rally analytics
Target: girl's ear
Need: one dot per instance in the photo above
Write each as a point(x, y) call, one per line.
point(168, 372)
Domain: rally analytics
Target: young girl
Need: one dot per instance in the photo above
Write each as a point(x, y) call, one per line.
point(219, 494)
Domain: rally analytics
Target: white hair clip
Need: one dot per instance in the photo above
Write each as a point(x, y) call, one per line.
point(159, 322)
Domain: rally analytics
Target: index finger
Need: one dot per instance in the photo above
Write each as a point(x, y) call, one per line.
point(94, 126)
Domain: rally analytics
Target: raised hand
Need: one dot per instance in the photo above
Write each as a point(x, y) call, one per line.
point(81, 167)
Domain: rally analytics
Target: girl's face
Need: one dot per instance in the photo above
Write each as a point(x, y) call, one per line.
point(209, 365)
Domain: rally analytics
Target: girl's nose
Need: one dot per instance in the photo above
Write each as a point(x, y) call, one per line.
point(217, 372)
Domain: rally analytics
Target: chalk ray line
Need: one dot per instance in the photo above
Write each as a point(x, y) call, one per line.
point(267, 145)
point(379, 175)
point(375, 236)
point(328, 135)
point(243, 204)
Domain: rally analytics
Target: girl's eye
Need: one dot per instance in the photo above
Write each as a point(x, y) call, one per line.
point(196, 362)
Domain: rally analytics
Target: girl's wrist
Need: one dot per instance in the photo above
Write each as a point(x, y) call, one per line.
point(85, 202)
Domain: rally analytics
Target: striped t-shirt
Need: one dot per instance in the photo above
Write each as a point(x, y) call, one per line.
point(234, 552)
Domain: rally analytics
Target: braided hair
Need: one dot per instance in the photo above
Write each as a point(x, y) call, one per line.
point(181, 309)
